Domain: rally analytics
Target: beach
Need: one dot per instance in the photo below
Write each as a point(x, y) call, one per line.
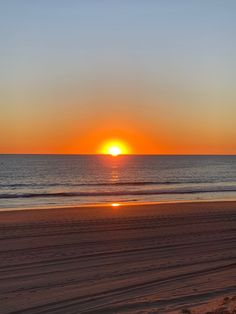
point(117, 157)
point(145, 258)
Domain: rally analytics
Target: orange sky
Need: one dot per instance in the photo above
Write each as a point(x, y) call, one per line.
point(158, 78)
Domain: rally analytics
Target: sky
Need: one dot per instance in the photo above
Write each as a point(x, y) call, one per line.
point(158, 75)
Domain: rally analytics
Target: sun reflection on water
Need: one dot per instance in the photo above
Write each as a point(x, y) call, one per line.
point(115, 204)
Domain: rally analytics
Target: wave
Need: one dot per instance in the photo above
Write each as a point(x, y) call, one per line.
point(128, 183)
point(116, 193)
point(120, 183)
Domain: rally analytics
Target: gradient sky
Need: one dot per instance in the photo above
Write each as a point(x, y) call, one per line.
point(159, 75)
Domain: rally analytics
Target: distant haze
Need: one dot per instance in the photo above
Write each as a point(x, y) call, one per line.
point(158, 75)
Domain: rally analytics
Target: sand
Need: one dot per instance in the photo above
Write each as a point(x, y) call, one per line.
point(162, 258)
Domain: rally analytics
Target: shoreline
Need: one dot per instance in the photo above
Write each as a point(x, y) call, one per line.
point(120, 204)
point(108, 211)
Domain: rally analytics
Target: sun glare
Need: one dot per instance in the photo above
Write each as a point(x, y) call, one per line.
point(114, 151)
point(114, 148)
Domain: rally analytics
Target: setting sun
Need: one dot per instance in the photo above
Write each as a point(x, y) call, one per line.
point(114, 148)
point(114, 151)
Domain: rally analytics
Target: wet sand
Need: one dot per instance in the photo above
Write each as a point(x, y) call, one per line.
point(158, 258)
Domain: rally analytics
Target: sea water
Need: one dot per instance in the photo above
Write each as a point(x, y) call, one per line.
point(29, 181)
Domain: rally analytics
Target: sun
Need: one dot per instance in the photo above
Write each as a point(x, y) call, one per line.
point(114, 151)
point(114, 148)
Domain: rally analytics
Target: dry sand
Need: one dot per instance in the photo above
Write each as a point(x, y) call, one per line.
point(128, 259)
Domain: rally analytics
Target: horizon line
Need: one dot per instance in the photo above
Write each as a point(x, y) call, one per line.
point(94, 154)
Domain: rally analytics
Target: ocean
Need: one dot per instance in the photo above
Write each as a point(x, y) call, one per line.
point(32, 181)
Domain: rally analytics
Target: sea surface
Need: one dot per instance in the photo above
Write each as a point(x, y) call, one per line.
point(31, 181)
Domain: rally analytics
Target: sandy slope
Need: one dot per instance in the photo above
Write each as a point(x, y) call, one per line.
point(128, 259)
